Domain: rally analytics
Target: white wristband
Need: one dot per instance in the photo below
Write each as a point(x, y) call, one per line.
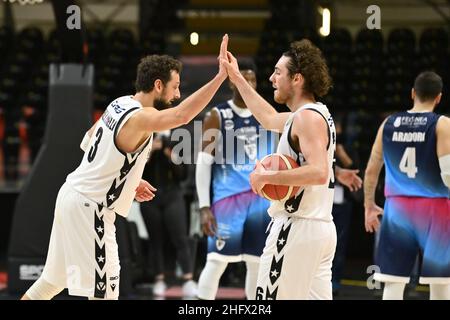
point(203, 178)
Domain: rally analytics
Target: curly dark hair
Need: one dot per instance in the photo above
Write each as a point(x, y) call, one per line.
point(308, 60)
point(155, 67)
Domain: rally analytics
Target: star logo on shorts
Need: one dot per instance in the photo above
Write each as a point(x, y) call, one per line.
point(100, 259)
point(292, 205)
point(112, 197)
point(99, 230)
point(275, 268)
point(283, 236)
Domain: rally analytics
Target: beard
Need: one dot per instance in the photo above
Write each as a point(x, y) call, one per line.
point(278, 98)
point(281, 97)
point(161, 104)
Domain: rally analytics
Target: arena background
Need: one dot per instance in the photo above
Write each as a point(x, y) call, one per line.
point(55, 81)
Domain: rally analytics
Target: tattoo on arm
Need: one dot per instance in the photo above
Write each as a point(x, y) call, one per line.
point(372, 173)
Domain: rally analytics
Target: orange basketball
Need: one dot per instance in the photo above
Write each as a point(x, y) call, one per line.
point(277, 162)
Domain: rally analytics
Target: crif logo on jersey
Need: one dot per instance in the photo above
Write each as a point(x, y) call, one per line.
point(410, 121)
point(117, 108)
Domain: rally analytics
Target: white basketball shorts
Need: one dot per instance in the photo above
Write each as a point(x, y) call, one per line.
point(83, 253)
point(297, 259)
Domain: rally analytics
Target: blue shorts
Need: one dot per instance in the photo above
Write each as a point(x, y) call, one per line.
point(242, 222)
point(411, 225)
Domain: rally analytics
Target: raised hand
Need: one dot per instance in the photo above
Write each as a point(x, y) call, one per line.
point(228, 62)
point(223, 56)
point(232, 67)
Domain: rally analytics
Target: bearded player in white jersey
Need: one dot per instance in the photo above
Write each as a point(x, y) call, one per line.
point(297, 258)
point(83, 253)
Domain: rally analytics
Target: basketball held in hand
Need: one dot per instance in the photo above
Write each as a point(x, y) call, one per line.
point(276, 162)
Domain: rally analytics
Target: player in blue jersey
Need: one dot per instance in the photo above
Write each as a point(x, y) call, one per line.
point(415, 147)
point(237, 221)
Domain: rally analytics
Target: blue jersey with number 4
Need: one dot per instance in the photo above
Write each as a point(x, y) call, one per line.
point(409, 151)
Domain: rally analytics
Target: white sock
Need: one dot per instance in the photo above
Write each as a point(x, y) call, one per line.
point(393, 291)
point(250, 279)
point(208, 283)
point(42, 290)
point(439, 291)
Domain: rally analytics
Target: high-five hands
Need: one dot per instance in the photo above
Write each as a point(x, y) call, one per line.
point(228, 65)
point(223, 57)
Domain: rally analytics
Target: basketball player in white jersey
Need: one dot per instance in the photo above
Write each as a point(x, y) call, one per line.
point(83, 252)
point(297, 259)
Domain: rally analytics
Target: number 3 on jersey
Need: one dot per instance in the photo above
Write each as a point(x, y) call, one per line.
point(94, 148)
point(408, 162)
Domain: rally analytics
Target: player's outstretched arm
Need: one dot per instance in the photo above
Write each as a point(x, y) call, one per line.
point(374, 166)
point(152, 120)
point(269, 118)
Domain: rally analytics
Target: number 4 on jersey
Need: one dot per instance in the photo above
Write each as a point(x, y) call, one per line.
point(408, 163)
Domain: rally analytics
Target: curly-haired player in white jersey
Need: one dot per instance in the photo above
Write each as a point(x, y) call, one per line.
point(83, 253)
point(233, 217)
point(297, 259)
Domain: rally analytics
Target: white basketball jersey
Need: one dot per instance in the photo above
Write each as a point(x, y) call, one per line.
point(107, 175)
point(315, 201)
